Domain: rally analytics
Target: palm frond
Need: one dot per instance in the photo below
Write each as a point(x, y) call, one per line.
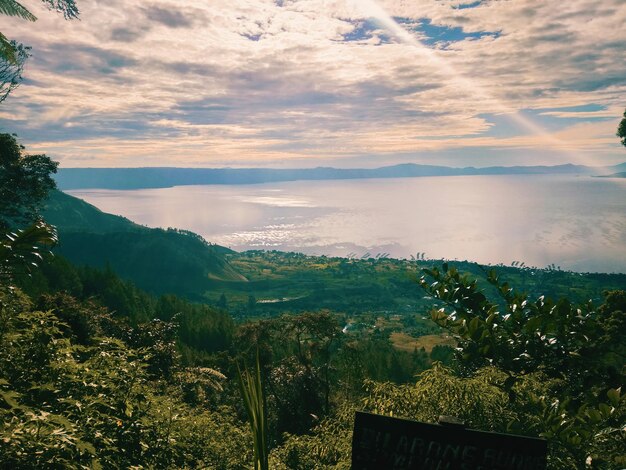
point(13, 8)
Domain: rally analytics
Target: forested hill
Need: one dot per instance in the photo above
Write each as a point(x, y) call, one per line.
point(71, 214)
point(159, 261)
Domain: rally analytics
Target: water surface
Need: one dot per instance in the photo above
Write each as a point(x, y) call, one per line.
point(577, 223)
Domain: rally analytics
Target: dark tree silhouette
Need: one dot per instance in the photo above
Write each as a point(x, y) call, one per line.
point(621, 130)
point(25, 181)
point(11, 70)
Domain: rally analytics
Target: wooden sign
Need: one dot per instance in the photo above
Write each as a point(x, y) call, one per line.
point(384, 443)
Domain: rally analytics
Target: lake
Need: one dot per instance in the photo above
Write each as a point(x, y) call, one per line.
point(575, 222)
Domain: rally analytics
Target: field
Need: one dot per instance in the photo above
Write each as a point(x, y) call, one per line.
point(376, 294)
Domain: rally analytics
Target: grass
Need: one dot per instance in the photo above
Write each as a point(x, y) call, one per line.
point(405, 342)
point(254, 399)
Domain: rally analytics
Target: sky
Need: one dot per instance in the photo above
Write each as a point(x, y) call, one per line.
point(306, 83)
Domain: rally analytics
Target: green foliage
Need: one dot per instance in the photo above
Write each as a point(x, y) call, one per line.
point(520, 335)
point(573, 355)
point(369, 289)
point(477, 400)
point(442, 354)
point(70, 399)
point(621, 130)
point(158, 261)
point(80, 321)
point(67, 8)
point(121, 298)
point(254, 400)
point(205, 329)
point(376, 358)
point(98, 404)
point(215, 439)
point(297, 353)
point(328, 446)
point(12, 59)
point(22, 250)
point(12, 54)
point(25, 181)
point(13, 8)
point(222, 303)
point(200, 330)
point(199, 384)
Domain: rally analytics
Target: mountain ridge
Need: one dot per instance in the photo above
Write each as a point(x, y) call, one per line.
point(165, 177)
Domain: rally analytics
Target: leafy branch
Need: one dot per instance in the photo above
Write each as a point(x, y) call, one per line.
point(22, 250)
point(254, 400)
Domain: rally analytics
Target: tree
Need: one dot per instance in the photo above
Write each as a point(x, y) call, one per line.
point(519, 335)
point(223, 303)
point(8, 51)
point(11, 70)
point(24, 185)
point(251, 303)
point(575, 352)
point(25, 181)
point(621, 130)
point(13, 54)
point(12, 8)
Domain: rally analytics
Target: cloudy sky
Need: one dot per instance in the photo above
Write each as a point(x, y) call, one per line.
point(303, 83)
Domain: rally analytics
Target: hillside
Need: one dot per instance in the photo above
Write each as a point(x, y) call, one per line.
point(159, 261)
point(71, 214)
point(171, 261)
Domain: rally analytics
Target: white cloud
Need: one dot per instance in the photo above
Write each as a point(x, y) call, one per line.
point(253, 81)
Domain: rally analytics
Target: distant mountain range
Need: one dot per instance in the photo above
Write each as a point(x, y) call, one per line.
point(139, 178)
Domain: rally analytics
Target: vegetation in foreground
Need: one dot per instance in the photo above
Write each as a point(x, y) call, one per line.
point(83, 387)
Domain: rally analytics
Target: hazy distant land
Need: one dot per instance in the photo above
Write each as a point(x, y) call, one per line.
point(143, 178)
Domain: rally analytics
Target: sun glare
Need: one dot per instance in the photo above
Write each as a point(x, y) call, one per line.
point(375, 11)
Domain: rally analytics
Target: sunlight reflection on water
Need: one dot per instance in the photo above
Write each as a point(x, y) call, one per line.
point(577, 223)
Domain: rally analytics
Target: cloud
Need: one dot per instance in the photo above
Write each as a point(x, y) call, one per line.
point(124, 34)
point(253, 82)
point(169, 16)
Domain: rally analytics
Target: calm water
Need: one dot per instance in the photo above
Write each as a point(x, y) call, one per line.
point(578, 223)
